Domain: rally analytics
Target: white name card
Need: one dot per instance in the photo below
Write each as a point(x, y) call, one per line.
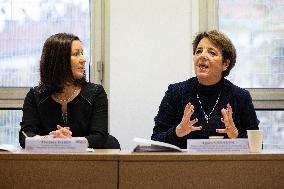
point(41, 144)
point(218, 145)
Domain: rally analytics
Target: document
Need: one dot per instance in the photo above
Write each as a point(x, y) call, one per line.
point(146, 145)
point(42, 144)
point(218, 145)
point(9, 148)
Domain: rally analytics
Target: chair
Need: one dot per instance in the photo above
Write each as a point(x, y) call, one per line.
point(111, 143)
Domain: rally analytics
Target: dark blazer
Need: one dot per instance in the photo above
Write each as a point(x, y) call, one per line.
point(87, 115)
point(178, 95)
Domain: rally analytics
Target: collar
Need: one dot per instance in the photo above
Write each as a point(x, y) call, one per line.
point(211, 89)
point(87, 92)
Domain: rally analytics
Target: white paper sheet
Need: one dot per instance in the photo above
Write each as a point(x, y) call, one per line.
point(157, 145)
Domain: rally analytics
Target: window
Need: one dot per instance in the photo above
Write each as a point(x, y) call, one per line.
point(257, 32)
point(9, 126)
point(24, 26)
point(272, 124)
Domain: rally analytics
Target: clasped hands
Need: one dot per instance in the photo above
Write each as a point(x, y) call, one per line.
point(186, 125)
point(61, 132)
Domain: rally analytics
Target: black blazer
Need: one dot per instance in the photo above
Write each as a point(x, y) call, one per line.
point(87, 115)
point(178, 95)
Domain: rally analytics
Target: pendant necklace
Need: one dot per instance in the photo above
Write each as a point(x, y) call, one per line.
point(65, 115)
point(67, 100)
point(207, 117)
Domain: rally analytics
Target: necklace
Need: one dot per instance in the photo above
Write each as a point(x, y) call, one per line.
point(64, 117)
point(67, 100)
point(207, 117)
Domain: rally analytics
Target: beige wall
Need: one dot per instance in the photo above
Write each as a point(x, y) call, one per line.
point(150, 48)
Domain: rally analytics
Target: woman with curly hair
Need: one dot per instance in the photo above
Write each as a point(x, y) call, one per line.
point(207, 105)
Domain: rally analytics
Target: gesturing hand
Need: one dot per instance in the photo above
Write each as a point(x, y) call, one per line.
point(227, 119)
point(61, 132)
point(186, 125)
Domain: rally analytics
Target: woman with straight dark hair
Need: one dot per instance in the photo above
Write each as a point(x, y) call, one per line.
point(65, 104)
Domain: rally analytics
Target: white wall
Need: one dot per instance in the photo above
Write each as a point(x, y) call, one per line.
point(150, 47)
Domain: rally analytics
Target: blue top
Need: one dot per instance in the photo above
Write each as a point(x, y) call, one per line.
point(178, 95)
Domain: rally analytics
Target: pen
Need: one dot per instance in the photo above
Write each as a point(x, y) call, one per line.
point(25, 134)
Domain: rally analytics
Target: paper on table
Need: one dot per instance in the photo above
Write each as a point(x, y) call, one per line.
point(9, 147)
point(155, 146)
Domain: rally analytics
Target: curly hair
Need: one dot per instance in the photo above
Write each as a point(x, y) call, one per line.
point(55, 66)
point(223, 43)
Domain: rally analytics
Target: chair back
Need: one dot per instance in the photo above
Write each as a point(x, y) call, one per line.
point(112, 143)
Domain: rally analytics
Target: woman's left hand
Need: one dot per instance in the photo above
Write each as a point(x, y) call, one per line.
point(227, 119)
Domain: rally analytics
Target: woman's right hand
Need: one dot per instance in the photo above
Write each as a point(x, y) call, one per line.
point(61, 132)
point(186, 125)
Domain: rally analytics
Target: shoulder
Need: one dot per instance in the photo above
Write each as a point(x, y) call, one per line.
point(90, 91)
point(183, 87)
point(35, 93)
point(181, 92)
point(238, 92)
